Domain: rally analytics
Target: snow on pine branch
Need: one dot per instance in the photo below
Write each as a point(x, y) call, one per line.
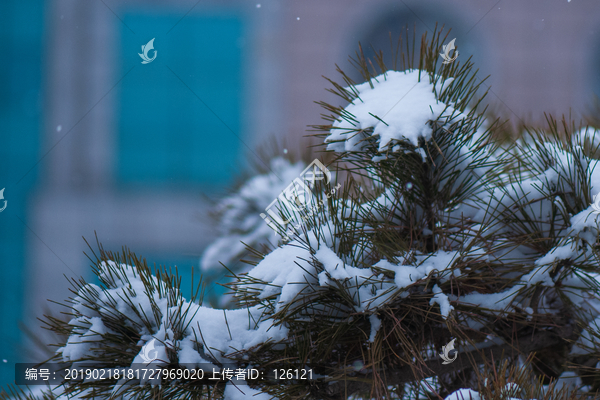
point(239, 218)
point(304, 269)
point(398, 106)
point(480, 231)
point(156, 311)
point(288, 272)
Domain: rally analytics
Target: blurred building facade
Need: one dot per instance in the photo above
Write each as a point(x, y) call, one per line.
point(98, 142)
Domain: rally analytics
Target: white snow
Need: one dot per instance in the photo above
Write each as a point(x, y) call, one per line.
point(243, 392)
point(336, 269)
point(216, 326)
point(541, 274)
point(404, 103)
point(569, 380)
point(587, 341)
point(509, 390)
point(492, 301)
point(464, 394)
point(79, 346)
point(239, 215)
point(375, 325)
point(284, 272)
point(315, 264)
point(442, 300)
point(223, 331)
point(408, 274)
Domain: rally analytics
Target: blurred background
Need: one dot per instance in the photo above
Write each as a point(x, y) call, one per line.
point(92, 140)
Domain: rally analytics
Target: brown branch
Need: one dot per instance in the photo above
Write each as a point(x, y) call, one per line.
point(486, 351)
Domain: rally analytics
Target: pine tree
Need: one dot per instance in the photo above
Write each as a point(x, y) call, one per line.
point(431, 232)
